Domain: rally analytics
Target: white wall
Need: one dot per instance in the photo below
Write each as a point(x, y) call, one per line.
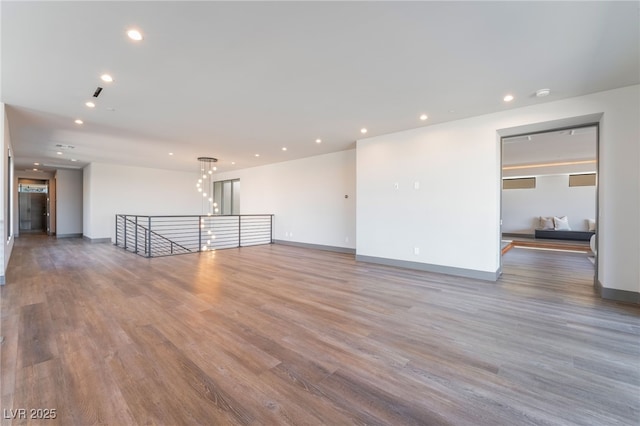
point(619, 180)
point(4, 131)
point(52, 197)
point(110, 189)
point(87, 198)
point(6, 247)
point(454, 217)
point(68, 201)
point(307, 197)
point(552, 196)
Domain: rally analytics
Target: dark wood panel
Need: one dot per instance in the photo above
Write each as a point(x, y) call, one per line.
point(285, 335)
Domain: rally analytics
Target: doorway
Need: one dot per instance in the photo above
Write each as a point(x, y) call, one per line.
point(549, 193)
point(33, 205)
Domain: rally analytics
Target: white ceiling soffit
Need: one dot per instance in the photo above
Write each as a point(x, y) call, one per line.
point(556, 152)
point(235, 79)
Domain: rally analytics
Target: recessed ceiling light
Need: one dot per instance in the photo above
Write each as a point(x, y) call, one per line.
point(106, 78)
point(233, 163)
point(90, 104)
point(36, 164)
point(284, 148)
point(134, 35)
point(318, 140)
point(363, 130)
point(508, 98)
point(542, 93)
point(73, 159)
point(257, 155)
point(59, 153)
point(171, 153)
point(423, 117)
point(78, 121)
point(35, 170)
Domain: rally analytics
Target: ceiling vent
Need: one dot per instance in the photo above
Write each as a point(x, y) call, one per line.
point(97, 92)
point(64, 146)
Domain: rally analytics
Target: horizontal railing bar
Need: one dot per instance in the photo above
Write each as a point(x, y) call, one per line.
point(167, 235)
point(197, 216)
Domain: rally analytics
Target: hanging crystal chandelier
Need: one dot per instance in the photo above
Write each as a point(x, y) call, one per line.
point(209, 206)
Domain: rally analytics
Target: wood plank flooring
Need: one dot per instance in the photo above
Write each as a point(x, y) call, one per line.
point(283, 335)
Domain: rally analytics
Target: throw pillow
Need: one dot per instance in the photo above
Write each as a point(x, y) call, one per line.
point(561, 223)
point(546, 223)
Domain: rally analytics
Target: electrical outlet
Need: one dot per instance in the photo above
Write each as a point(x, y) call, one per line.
point(416, 250)
point(416, 185)
point(396, 185)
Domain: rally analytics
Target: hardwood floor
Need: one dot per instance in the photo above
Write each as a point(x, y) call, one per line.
point(283, 335)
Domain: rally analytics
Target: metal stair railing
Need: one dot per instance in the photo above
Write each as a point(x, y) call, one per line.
point(154, 236)
point(150, 239)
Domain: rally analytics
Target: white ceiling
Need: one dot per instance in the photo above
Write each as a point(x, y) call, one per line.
point(230, 80)
point(556, 152)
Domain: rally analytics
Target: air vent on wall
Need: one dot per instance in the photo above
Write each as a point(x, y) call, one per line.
point(97, 92)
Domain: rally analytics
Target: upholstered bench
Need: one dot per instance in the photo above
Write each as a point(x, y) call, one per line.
point(564, 235)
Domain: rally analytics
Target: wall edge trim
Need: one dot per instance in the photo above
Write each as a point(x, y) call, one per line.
point(616, 294)
point(96, 240)
point(427, 267)
point(316, 246)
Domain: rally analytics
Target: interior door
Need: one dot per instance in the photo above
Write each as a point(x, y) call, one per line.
point(38, 211)
point(33, 211)
point(24, 202)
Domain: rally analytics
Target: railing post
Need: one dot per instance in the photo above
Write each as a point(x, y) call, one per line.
point(125, 233)
point(136, 236)
point(179, 228)
point(149, 240)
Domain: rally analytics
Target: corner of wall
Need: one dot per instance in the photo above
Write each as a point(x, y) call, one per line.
point(615, 294)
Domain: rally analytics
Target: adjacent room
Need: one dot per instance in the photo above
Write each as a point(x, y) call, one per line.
point(549, 195)
point(312, 213)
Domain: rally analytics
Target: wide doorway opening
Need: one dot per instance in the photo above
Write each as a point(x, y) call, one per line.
point(33, 206)
point(549, 193)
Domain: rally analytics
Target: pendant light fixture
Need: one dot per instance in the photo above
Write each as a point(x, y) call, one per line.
point(204, 187)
